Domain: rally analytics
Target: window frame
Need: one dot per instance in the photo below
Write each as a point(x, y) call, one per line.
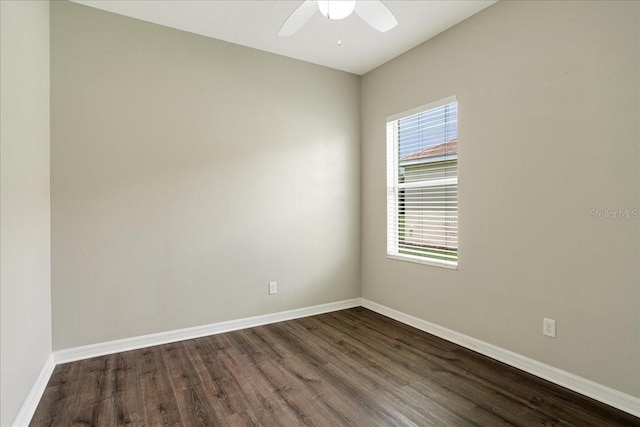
point(393, 188)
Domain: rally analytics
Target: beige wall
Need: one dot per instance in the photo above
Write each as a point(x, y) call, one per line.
point(187, 173)
point(25, 255)
point(548, 108)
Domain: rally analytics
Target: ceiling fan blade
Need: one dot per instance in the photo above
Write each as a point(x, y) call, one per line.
point(298, 18)
point(376, 14)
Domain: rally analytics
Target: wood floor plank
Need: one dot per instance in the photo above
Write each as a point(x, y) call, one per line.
point(64, 382)
point(348, 368)
point(338, 406)
point(349, 378)
point(129, 409)
point(95, 385)
point(159, 405)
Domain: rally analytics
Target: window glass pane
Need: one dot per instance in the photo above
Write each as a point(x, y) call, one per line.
point(424, 130)
point(428, 220)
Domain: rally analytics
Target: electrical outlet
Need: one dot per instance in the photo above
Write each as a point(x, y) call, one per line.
point(273, 288)
point(549, 327)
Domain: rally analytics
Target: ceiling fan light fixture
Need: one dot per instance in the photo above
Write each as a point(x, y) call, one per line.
point(373, 12)
point(336, 9)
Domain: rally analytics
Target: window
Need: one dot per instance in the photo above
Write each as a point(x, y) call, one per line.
point(422, 184)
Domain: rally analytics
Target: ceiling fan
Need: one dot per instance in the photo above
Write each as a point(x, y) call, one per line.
point(373, 12)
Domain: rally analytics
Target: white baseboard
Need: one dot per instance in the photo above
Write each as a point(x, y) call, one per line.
point(604, 394)
point(110, 347)
point(33, 398)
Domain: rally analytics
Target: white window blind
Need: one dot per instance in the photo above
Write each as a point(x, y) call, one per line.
point(422, 184)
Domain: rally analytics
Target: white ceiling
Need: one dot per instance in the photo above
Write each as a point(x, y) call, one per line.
point(256, 24)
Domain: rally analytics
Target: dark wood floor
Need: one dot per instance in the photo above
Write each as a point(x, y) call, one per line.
point(352, 367)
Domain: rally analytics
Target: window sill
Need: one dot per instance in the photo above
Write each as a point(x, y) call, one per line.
point(420, 260)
